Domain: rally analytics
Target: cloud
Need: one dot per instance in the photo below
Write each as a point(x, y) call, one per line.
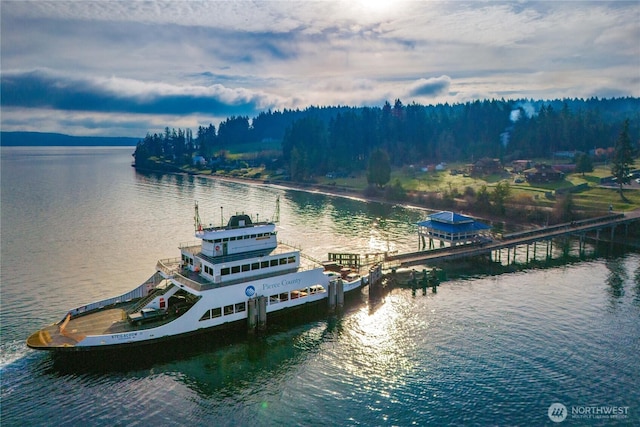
point(434, 86)
point(39, 89)
point(186, 61)
point(92, 123)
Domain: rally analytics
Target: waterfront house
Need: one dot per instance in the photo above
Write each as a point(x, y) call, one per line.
point(542, 173)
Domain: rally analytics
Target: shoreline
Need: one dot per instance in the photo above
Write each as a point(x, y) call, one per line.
point(344, 193)
point(515, 218)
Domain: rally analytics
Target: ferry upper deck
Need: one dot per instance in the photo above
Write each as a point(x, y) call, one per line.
point(258, 264)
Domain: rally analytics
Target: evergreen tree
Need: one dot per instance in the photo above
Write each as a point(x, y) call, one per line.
point(379, 171)
point(623, 158)
point(483, 202)
point(305, 149)
point(499, 196)
point(583, 163)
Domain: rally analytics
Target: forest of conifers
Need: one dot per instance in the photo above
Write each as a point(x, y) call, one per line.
point(322, 139)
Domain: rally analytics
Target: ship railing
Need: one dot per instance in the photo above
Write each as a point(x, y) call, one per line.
point(193, 245)
point(187, 282)
point(171, 268)
point(168, 266)
point(139, 292)
point(310, 258)
point(299, 249)
point(156, 292)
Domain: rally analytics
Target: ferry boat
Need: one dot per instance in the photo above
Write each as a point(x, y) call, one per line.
point(233, 276)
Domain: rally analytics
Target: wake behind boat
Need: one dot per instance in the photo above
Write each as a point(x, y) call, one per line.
point(234, 276)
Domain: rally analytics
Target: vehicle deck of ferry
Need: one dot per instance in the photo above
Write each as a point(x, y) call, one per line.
point(70, 332)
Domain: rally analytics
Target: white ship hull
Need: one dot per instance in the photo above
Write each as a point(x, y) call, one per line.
point(238, 277)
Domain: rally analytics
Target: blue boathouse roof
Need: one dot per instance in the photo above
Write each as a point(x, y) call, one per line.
point(450, 222)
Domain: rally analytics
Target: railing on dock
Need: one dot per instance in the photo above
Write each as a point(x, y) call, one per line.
point(513, 240)
point(559, 227)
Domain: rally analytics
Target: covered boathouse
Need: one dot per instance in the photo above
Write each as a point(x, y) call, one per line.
point(452, 228)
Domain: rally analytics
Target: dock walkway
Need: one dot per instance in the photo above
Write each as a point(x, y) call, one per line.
point(514, 239)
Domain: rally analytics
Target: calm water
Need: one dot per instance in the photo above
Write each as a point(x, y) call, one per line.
point(80, 224)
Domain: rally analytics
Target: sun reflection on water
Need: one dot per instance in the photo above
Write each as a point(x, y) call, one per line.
point(382, 354)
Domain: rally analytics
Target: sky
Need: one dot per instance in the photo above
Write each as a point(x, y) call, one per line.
point(125, 68)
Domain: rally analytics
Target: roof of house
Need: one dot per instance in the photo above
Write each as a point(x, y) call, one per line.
point(451, 222)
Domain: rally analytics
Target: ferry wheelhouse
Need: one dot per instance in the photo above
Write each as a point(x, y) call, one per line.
point(233, 276)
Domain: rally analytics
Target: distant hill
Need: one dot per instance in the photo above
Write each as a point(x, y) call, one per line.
point(41, 139)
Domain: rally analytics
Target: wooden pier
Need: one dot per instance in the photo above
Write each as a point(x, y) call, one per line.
point(579, 229)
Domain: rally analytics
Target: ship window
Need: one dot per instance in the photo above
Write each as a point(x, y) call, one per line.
point(226, 239)
point(240, 307)
point(299, 293)
point(284, 296)
point(246, 267)
point(273, 299)
point(255, 266)
point(228, 309)
point(232, 238)
point(253, 236)
point(264, 264)
point(206, 315)
point(283, 261)
point(224, 271)
point(235, 269)
point(217, 241)
point(316, 289)
point(274, 262)
point(291, 260)
point(216, 312)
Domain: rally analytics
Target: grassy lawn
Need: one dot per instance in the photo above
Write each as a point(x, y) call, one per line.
point(600, 199)
point(237, 151)
point(592, 197)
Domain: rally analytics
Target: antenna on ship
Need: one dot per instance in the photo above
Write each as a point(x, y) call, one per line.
point(197, 224)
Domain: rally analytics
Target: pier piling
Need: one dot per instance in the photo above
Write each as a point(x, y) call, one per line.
point(252, 314)
point(340, 293)
point(262, 313)
point(331, 297)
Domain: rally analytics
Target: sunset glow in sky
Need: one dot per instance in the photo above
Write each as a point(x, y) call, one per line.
point(123, 68)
